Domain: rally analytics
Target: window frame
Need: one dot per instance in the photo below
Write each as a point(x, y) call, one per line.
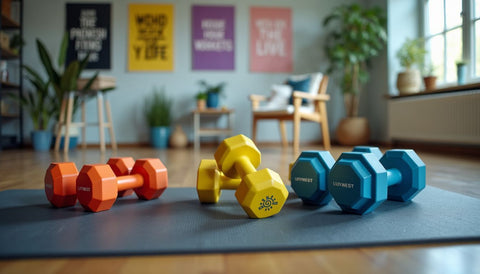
point(468, 37)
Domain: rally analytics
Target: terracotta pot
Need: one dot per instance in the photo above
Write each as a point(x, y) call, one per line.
point(201, 104)
point(409, 81)
point(353, 131)
point(430, 82)
point(178, 138)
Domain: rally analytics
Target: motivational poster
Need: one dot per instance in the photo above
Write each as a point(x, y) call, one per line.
point(213, 45)
point(270, 39)
point(88, 27)
point(150, 44)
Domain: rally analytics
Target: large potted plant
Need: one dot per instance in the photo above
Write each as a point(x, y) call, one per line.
point(37, 102)
point(354, 36)
point(64, 78)
point(213, 93)
point(411, 56)
point(158, 108)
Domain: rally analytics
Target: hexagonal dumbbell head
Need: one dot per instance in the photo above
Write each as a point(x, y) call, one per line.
point(309, 176)
point(358, 182)
point(412, 170)
point(122, 166)
point(262, 194)
point(97, 187)
point(60, 184)
point(367, 149)
point(210, 182)
point(231, 149)
point(155, 178)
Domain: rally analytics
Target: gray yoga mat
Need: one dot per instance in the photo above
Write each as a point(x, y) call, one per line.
point(177, 223)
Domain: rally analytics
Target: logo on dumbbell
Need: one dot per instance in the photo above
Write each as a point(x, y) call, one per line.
point(342, 184)
point(268, 203)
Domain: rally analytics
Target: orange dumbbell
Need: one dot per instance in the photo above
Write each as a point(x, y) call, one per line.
point(60, 180)
point(98, 186)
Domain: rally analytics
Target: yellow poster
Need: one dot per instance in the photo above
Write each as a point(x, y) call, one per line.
point(150, 43)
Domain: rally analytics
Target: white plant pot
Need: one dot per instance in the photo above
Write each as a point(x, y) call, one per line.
point(409, 81)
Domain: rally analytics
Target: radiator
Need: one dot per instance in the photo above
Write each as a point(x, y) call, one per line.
point(445, 118)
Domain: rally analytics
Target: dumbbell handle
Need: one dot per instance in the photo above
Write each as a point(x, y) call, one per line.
point(393, 176)
point(129, 182)
point(243, 166)
point(227, 182)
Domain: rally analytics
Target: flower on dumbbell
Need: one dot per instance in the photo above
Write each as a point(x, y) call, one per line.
point(268, 203)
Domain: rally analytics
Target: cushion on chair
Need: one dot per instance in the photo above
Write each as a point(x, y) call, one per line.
point(278, 98)
point(301, 85)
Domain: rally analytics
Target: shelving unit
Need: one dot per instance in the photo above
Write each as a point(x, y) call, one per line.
point(11, 121)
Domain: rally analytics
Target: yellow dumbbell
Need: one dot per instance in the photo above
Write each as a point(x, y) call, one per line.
point(261, 193)
point(211, 181)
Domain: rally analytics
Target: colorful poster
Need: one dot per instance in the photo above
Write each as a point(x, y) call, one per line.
point(213, 45)
point(270, 39)
point(88, 27)
point(150, 43)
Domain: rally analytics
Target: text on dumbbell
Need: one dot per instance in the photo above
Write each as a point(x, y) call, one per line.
point(82, 188)
point(344, 185)
point(303, 179)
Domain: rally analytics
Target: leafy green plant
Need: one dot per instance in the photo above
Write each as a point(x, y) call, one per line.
point(411, 53)
point(64, 78)
point(38, 101)
point(158, 107)
point(207, 88)
point(201, 96)
point(355, 35)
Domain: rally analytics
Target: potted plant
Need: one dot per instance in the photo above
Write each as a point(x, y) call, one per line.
point(158, 108)
point(410, 54)
point(355, 35)
point(201, 98)
point(213, 93)
point(37, 102)
point(461, 72)
point(429, 78)
point(64, 78)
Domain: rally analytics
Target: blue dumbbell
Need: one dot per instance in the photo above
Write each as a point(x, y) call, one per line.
point(360, 182)
point(308, 174)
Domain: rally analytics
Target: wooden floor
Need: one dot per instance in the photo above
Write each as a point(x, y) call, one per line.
point(24, 169)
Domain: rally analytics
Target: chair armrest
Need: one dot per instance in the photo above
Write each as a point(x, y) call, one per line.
point(256, 99)
point(316, 97)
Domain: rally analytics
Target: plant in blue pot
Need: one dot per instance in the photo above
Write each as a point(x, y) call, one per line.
point(38, 102)
point(213, 93)
point(158, 107)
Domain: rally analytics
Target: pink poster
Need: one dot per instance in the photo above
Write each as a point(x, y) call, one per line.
point(270, 39)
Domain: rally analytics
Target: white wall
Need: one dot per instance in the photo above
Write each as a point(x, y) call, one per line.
point(46, 20)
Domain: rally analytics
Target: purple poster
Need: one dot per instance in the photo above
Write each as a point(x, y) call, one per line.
point(213, 44)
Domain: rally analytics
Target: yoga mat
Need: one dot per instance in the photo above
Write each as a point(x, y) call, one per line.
point(177, 223)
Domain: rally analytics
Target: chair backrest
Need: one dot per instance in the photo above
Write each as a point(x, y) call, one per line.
point(322, 89)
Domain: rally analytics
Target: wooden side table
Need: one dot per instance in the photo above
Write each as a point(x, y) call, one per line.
point(198, 131)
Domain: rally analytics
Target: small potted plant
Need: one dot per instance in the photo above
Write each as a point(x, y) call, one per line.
point(158, 108)
point(411, 54)
point(429, 78)
point(213, 93)
point(38, 103)
point(201, 98)
point(461, 72)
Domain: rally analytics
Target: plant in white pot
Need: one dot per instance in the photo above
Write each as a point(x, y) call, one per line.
point(39, 105)
point(411, 56)
point(355, 35)
point(158, 107)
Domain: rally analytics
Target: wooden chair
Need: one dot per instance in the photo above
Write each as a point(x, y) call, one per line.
point(317, 112)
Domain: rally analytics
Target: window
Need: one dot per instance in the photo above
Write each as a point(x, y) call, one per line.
point(452, 34)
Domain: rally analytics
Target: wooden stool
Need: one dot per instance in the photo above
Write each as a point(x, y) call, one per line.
point(66, 112)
